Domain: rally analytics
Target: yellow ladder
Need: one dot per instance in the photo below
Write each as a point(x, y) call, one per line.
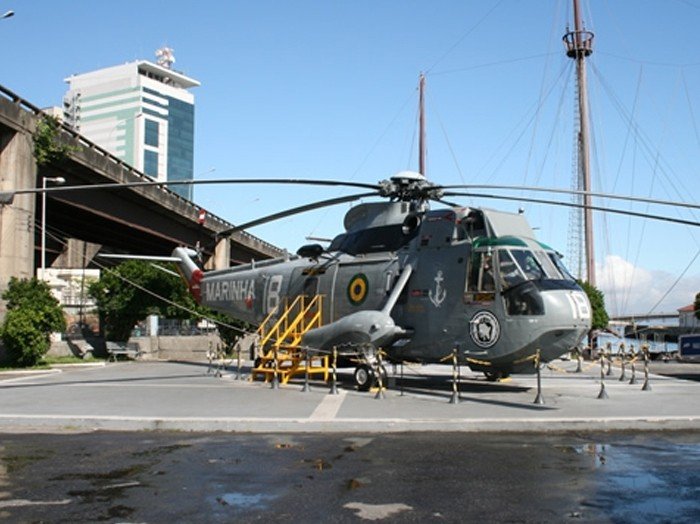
point(279, 342)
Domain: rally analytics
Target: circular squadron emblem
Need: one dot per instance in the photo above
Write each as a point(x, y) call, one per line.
point(484, 329)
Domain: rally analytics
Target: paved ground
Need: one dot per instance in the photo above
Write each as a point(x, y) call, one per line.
point(396, 477)
point(186, 396)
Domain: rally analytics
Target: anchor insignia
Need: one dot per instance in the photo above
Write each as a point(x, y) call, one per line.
point(438, 297)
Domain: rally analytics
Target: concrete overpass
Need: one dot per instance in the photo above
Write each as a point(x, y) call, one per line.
point(139, 220)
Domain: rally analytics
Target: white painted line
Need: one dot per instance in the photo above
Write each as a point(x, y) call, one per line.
point(328, 408)
point(18, 503)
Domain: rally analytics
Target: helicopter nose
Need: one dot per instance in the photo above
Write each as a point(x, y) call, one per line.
point(567, 306)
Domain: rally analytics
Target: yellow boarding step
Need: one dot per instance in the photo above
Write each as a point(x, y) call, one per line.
point(280, 341)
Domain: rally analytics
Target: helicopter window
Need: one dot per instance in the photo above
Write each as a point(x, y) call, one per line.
point(556, 260)
point(511, 274)
point(524, 300)
point(529, 264)
point(481, 273)
point(549, 268)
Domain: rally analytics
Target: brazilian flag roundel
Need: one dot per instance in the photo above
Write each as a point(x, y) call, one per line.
point(357, 289)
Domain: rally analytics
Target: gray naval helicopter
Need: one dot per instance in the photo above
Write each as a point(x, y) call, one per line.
point(414, 283)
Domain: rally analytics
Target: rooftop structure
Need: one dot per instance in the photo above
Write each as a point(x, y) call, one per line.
point(140, 111)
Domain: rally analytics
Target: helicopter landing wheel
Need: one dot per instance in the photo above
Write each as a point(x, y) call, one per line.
point(364, 377)
point(496, 375)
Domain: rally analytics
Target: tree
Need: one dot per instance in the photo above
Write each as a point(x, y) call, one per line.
point(33, 313)
point(599, 316)
point(122, 301)
point(131, 291)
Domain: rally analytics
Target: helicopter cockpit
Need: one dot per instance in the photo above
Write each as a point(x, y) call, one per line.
point(519, 270)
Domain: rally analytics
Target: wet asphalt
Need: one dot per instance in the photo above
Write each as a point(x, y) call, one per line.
point(418, 477)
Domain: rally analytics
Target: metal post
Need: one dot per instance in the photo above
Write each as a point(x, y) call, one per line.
point(647, 385)
point(579, 358)
point(275, 378)
point(380, 380)
point(334, 376)
point(608, 354)
point(455, 378)
point(603, 394)
point(621, 352)
point(401, 388)
point(239, 375)
point(210, 357)
point(539, 399)
point(633, 380)
point(306, 387)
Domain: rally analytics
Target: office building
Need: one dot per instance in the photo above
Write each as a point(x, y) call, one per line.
point(142, 112)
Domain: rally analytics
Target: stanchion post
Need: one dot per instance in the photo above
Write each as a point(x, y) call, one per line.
point(622, 354)
point(633, 357)
point(380, 379)
point(647, 384)
point(539, 399)
point(210, 359)
point(307, 364)
point(401, 388)
point(579, 359)
point(603, 394)
point(608, 355)
point(334, 376)
point(454, 399)
point(239, 375)
point(275, 379)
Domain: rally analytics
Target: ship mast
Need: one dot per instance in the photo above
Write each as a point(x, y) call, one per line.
point(421, 124)
point(579, 45)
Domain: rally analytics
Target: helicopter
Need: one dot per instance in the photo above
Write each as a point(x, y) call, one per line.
point(414, 283)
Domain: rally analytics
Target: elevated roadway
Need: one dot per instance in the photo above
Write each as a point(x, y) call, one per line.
point(138, 220)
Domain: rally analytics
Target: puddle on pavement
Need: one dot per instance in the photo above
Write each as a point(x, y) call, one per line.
point(244, 500)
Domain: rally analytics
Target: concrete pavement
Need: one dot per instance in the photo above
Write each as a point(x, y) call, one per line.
point(190, 397)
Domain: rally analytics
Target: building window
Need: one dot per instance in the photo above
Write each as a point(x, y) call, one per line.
point(151, 133)
point(150, 163)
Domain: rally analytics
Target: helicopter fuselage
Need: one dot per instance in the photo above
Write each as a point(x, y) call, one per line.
point(475, 280)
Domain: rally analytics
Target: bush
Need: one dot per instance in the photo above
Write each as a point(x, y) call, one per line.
point(33, 313)
point(25, 345)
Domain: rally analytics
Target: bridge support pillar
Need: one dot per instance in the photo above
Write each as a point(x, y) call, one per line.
point(17, 171)
point(222, 254)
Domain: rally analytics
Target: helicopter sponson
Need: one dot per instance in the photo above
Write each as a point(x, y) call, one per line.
point(357, 329)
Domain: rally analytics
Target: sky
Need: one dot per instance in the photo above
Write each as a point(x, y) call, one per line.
point(328, 90)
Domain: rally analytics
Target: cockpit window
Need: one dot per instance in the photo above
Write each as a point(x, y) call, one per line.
point(518, 265)
point(556, 260)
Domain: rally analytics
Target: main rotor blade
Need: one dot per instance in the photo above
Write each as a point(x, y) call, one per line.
point(574, 192)
point(295, 211)
point(211, 181)
point(580, 206)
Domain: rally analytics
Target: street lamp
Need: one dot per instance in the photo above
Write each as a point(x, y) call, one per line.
point(56, 180)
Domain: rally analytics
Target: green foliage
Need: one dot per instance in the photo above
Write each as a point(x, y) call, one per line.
point(33, 313)
point(229, 335)
point(47, 145)
point(122, 299)
point(600, 316)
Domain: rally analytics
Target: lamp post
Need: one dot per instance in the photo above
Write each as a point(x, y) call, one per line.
point(56, 180)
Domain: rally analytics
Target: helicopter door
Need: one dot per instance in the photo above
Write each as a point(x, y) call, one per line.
point(481, 281)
